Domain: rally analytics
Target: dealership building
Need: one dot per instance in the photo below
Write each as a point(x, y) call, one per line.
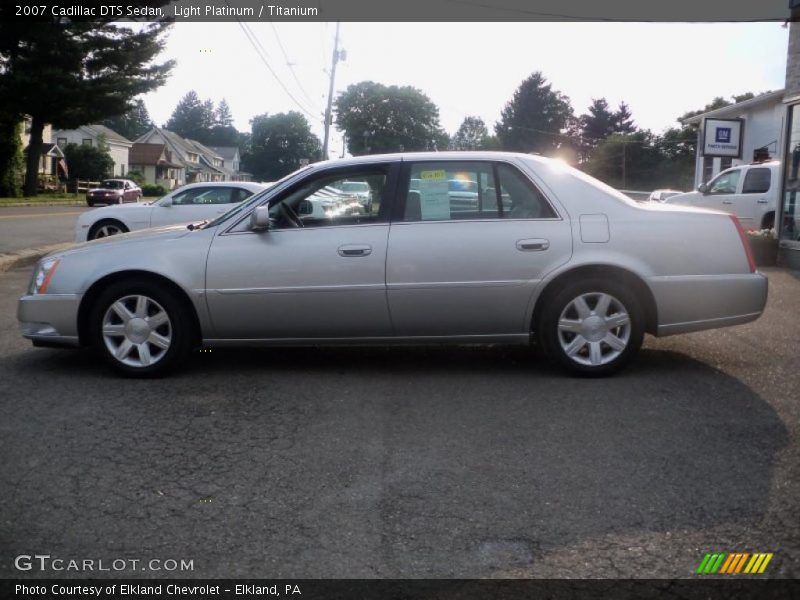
point(738, 134)
point(788, 234)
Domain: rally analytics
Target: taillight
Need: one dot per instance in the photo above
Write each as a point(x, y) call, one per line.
point(745, 242)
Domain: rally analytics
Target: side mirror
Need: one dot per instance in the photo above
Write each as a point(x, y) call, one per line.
point(702, 188)
point(166, 202)
point(259, 219)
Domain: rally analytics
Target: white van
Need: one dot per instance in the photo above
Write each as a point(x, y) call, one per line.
point(748, 191)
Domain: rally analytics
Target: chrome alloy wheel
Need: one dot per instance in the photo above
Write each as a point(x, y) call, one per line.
point(594, 329)
point(107, 230)
point(137, 331)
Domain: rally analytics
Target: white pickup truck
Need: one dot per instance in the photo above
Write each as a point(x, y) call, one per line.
point(748, 191)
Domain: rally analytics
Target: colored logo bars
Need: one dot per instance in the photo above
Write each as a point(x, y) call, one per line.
point(733, 563)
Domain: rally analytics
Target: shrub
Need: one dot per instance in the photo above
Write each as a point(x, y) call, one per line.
point(153, 190)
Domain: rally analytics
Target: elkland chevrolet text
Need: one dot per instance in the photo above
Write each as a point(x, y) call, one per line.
point(543, 252)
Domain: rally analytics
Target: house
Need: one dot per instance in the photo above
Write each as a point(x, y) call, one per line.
point(93, 135)
point(155, 163)
point(51, 159)
point(200, 162)
point(232, 161)
point(732, 135)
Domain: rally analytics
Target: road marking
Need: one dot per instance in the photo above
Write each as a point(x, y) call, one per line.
point(32, 215)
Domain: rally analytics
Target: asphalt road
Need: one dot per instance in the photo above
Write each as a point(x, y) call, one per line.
point(466, 462)
point(33, 226)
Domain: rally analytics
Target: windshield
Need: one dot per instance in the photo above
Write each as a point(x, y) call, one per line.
point(111, 184)
point(255, 199)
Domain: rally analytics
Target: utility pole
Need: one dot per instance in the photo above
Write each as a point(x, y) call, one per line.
point(336, 56)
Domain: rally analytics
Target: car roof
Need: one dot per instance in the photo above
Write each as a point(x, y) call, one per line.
point(245, 184)
point(430, 156)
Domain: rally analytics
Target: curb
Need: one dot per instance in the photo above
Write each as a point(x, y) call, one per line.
point(24, 258)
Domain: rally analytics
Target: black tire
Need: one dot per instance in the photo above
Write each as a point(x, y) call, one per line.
point(90, 204)
point(611, 360)
point(161, 298)
point(97, 228)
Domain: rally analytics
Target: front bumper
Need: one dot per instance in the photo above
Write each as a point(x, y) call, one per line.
point(697, 302)
point(51, 319)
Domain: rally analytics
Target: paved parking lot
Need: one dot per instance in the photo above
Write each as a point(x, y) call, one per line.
point(407, 462)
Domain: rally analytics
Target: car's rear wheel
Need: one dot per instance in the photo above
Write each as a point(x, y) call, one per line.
point(592, 327)
point(106, 228)
point(140, 328)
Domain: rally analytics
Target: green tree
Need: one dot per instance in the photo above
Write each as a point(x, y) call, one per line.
point(192, 118)
point(278, 143)
point(88, 162)
point(12, 162)
point(628, 161)
point(71, 72)
point(223, 114)
point(623, 120)
point(472, 134)
point(132, 123)
point(535, 119)
point(595, 126)
point(378, 118)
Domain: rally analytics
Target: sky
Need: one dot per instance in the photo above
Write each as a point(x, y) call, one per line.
point(661, 70)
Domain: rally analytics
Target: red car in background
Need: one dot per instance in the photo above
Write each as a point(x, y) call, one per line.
point(114, 191)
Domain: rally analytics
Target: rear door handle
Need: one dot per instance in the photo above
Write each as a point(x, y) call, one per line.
point(533, 245)
point(355, 250)
point(727, 201)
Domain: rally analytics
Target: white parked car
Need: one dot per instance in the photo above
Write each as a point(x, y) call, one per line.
point(187, 204)
point(748, 191)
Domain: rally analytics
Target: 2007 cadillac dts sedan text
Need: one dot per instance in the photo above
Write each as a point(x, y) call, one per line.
point(454, 248)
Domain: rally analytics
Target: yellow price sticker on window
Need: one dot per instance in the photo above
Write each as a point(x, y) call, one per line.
point(439, 175)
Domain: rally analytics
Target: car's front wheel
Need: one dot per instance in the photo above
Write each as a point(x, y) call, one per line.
point(592, 327)
point(106, 228)
point(140, 328)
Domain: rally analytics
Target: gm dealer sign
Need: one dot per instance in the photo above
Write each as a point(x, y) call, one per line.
point(723, 137)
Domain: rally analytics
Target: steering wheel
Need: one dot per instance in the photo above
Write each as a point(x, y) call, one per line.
point(287, 212)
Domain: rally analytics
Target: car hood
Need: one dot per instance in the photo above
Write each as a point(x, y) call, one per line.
point(146, 236)
point(686, 198)
point(100, 189)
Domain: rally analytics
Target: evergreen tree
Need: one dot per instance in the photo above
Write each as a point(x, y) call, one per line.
point(70, 72)
point(133, 123)
point(224, 117)
point(12, 162)
point(535, 119)
point(623, 120)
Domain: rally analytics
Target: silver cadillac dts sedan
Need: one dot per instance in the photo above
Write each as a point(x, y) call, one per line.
point(535, 251)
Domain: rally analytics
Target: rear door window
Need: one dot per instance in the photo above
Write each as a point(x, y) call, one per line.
point(757, 181)
point(457, 191)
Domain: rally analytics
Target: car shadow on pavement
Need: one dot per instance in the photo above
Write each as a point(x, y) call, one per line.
point(410, 462)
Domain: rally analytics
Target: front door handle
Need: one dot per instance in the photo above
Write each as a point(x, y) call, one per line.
point(727, 201)
point(355, 250)
point(533, 245)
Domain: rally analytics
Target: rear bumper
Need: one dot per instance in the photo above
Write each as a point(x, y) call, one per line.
point(50, 319)
point(697, 302)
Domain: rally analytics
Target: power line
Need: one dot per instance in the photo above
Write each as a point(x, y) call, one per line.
point(258, 48)
point(291, 65)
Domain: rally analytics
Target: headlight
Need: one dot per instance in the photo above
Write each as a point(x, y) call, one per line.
point(42, 275)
